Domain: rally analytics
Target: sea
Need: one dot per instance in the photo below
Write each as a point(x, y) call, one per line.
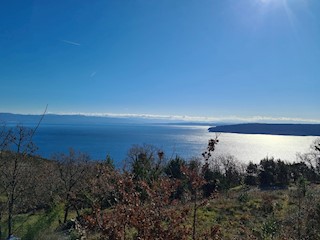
point(186, 141)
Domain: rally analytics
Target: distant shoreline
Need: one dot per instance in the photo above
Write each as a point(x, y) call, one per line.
point(272, 129)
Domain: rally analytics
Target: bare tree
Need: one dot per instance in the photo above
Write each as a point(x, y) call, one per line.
point(312, 158)
point(72, 169)
point(17, 147)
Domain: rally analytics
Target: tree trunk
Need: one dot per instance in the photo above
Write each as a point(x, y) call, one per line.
point(66, 208)
point(66, 212)
point(12, 190)
point(0, 224)
point(194, 217)
point(299, 217)
point(10, 213)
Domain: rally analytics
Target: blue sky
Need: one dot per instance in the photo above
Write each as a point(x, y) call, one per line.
point(220, 59)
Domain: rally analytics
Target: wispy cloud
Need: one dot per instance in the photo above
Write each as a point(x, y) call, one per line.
point(93, 74)
point(70, 42)
point(230, 119)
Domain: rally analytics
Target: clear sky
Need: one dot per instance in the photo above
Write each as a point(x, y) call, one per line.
point(207, 58)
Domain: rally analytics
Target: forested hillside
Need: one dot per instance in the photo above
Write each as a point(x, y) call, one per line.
point(153, 196)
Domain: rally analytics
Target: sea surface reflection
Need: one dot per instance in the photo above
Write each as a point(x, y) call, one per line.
point(185, 141)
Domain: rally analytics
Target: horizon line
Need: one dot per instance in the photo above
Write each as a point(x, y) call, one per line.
point(186, 118)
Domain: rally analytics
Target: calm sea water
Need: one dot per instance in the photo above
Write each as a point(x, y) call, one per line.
point(185, 141)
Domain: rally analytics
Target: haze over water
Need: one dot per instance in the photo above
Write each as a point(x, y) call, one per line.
point(185, 141)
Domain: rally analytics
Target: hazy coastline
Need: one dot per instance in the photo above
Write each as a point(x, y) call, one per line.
point(271, 129)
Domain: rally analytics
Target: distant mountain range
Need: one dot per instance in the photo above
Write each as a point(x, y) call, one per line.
point(10, 118)
point(273, 129)
point(248, 128)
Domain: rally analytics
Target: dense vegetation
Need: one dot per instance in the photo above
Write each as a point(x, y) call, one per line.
point(152, 197)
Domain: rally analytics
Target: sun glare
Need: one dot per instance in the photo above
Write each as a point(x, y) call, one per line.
point(272, 2)
point(280, 6)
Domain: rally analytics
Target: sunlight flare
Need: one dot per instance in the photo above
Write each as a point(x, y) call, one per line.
point(268, 6)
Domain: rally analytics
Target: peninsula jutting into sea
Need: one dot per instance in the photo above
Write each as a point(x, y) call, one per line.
point(273, 129)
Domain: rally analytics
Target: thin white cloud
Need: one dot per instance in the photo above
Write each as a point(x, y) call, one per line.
point(93, 74)
point(230, 119)
point(70, 42)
